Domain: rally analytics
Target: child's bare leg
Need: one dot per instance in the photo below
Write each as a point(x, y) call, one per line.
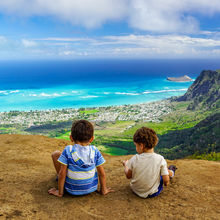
point(55, 155)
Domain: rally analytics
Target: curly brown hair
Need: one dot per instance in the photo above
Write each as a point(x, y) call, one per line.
point(82, 131)
point(146, 136)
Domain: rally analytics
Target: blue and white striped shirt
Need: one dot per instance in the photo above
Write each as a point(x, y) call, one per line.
point(82, 177)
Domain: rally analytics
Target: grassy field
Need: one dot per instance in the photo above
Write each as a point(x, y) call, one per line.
point(114, 151)
point(113, 128)
point(7, 129)
point(92, 111)
point(213, 156)
point(3, 128)
point(65, 136)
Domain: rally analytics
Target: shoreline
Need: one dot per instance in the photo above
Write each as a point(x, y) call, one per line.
point(148, 111)
point(88, 107)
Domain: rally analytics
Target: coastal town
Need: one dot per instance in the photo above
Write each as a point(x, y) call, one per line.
point(146, 112)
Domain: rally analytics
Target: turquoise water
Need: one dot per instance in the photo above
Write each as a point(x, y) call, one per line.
point(38, 85)
point(75, 96)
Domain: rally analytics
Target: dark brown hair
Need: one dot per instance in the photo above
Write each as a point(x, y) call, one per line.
point(82, 131)
point(146, 136)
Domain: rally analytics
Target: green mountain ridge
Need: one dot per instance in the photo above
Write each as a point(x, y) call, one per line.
point(204, 92)
point(203, 95)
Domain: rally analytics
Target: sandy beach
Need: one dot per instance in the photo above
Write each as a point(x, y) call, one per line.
point(26, 173)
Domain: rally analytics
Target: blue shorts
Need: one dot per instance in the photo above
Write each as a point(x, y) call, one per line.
point(160, 188)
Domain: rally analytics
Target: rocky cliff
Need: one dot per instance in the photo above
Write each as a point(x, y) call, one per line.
point(204, 92)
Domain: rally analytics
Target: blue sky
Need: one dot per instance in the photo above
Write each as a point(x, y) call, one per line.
point(82, 29)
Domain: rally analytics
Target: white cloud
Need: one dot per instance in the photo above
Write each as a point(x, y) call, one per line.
point(28, 43)
point(145, 41)
point(66, 53)
point(216, 51)
point(159, 46)
point(64, 39)
point(170, 16)
point(152, 15)
point(156, 46)
point(3, 39)
point(160, 41)
point(89, 13)
point(160, 16)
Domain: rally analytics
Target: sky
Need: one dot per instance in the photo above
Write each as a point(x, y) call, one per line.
point(90, 29)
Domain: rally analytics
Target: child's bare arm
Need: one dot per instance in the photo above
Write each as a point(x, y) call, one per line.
point(128, 172)
point(166, 180)
point(102, 178)
point(61, 180)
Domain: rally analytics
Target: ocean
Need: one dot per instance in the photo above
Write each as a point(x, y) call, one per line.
point(41, 85)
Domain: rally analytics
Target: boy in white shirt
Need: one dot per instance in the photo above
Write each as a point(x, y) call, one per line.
point(147, 170)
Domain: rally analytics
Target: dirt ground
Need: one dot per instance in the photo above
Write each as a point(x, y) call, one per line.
point(26, 173)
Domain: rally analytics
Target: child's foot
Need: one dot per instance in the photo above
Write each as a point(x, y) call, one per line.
point(173, 169)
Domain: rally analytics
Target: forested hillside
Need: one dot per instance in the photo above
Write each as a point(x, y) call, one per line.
point(204, 137)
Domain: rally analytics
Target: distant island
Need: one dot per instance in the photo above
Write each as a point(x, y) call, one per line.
point(184, 78)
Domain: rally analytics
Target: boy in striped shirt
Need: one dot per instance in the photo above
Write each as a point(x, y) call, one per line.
point(79, 166)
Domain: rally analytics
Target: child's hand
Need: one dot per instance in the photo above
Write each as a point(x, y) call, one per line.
point(106, 191)
point(124, 162)
point(55, 192)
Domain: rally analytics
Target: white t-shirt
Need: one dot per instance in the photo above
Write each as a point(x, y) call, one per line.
point(146, 171)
